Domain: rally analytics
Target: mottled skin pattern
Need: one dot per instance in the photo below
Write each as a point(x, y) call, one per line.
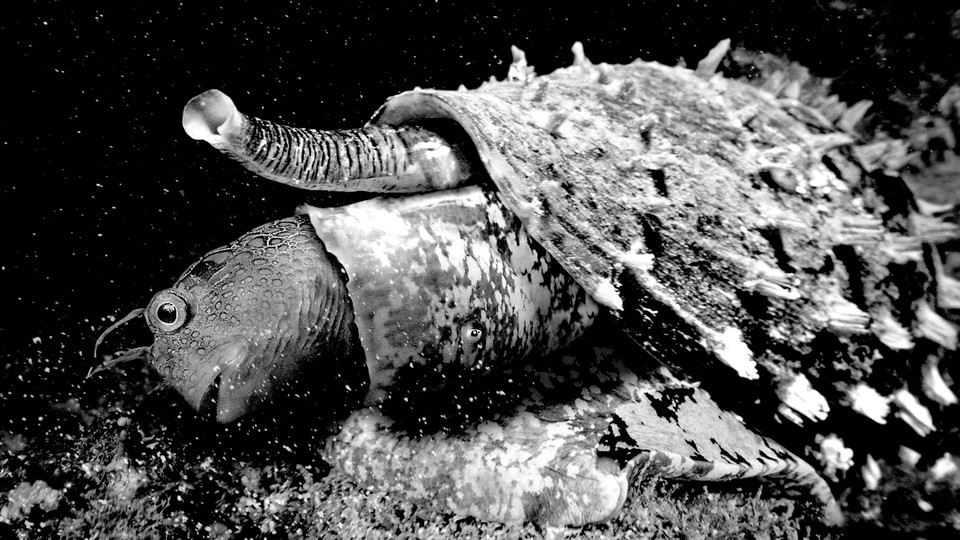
point(248, 315)
point(449, 278)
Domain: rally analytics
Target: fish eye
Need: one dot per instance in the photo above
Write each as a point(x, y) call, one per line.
point(168, 311)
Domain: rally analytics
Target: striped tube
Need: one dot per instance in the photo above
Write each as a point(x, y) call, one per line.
point(373, 158)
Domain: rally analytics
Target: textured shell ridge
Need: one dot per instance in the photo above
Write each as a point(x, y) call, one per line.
point(608, 165)
point(564, 161)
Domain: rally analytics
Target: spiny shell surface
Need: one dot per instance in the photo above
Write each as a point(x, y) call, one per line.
point(686, 201)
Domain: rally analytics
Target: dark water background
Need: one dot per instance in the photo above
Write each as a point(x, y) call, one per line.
point(105, 200)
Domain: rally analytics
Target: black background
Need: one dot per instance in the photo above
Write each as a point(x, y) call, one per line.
point(105, 200)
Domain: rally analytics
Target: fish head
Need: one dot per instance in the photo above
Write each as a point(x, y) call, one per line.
point(265, 315)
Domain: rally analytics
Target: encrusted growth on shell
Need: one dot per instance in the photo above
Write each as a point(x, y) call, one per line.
point(519, 70)
point(871, 473)
point(834, 455)
point(846, 318)
point(890, 332)
point(935, 328)
point(934, 387)
point(709, 64)
point(868, 402)
point(744, 219)
point(852, 116)
point(913, 413)
point(801, 400)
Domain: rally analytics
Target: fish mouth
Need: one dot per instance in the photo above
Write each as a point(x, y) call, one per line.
point(207, 407)
point(236, 392)
point(217, 381)
point(227, 382)
point(220, 381)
